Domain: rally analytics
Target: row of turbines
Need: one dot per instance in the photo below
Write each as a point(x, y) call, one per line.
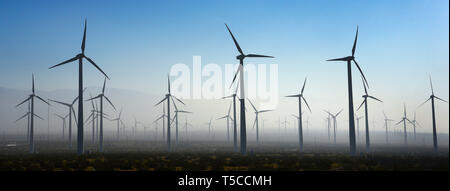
point(98, 114)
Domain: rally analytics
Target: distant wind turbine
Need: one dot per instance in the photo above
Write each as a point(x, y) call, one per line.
point(167, 98)
point(415, 123)
point(300, 123)
point(386, 120)
point(176, 122)
point(118, 123)
point(227, 117)
point(31, 99)
point(101, 96)
point(334, 122)
point(366, 111)
point(64, 124)
point(71, 112)
point(80, 57)
point(241, 58)
point(351, 115)
point(234, 118)
point(357, 124)
point(404, 119)
point(432, 97)
point(257, 112)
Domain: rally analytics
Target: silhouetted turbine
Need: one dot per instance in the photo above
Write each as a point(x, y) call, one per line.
point(300, 123)
point(386, 120)
point(234, 118)
point(64, 124)
point(433, 115)
point(366, 111)
point(351, 120)
point(404, 119)
point(228, 117)
point(80, 57)
point(71, 112)
point(168, 98)
point(334, 122)
point(31, 99)
point(257, 112)
point(241, 58)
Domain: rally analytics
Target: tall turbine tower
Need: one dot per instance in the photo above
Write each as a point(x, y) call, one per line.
point(79, 57)
point(241, 58)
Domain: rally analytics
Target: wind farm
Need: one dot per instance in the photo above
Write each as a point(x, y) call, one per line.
point(164, 115)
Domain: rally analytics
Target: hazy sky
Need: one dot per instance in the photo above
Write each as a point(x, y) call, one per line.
point(136, 42)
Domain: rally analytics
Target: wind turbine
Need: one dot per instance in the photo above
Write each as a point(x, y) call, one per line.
point(93, 115)
point(186, 128)
point(28, 121)
point(300, 123)
point(334, 122)
point(168, 98)
point(234, 117)
point(101, 96)
point(161, 117)
point(328, 125)
point(64, 124)
point(415, 123)
point(31, 99)
point(228, 117)
point(433, 115)
point(386, 120)
point(351, 119)
point(71, 112)
point(404, 119)
point(357, 124)
point(136, 122)
point(241, 58)
point(209, 126)
point(118, 123)
point(257, 112)
point(80, 57)
point(366, 111)
point(176, 121)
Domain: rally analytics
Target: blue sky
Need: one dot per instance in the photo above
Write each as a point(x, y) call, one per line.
point(136, 43)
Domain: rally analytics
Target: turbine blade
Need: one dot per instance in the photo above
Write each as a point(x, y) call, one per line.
point(62, 103)
point(262, 111)
point(26, 114)
point(74, 115)
point(222, 117)
point(227, 97)
point(23, 101)
point(338, 59)
point(297, 95)
point(96, 97)
point(104, 84)
point(364, 84)
point(338, 113)
point(254, 123)
point(107, 99)
point(32, 81)
point(83, 43)
point(354, 43)
point(440, 99)
point(65, 62)
point(431, 85)
point(385, 117)
point(175, 105)
point(168, 83)
point(229, 108)
point(43, 100)
point(295, 116)
point(235, 42)
point(160, 101)
point(252, 105)
point(375, 98)
point(38, 116)
point(400, 121)
point(359, 68)
point(178, 100)
point(307, 105)
point(258, 56)
point(303, 88)
point(235, 75)
point(93, 63)
point(364, 101)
